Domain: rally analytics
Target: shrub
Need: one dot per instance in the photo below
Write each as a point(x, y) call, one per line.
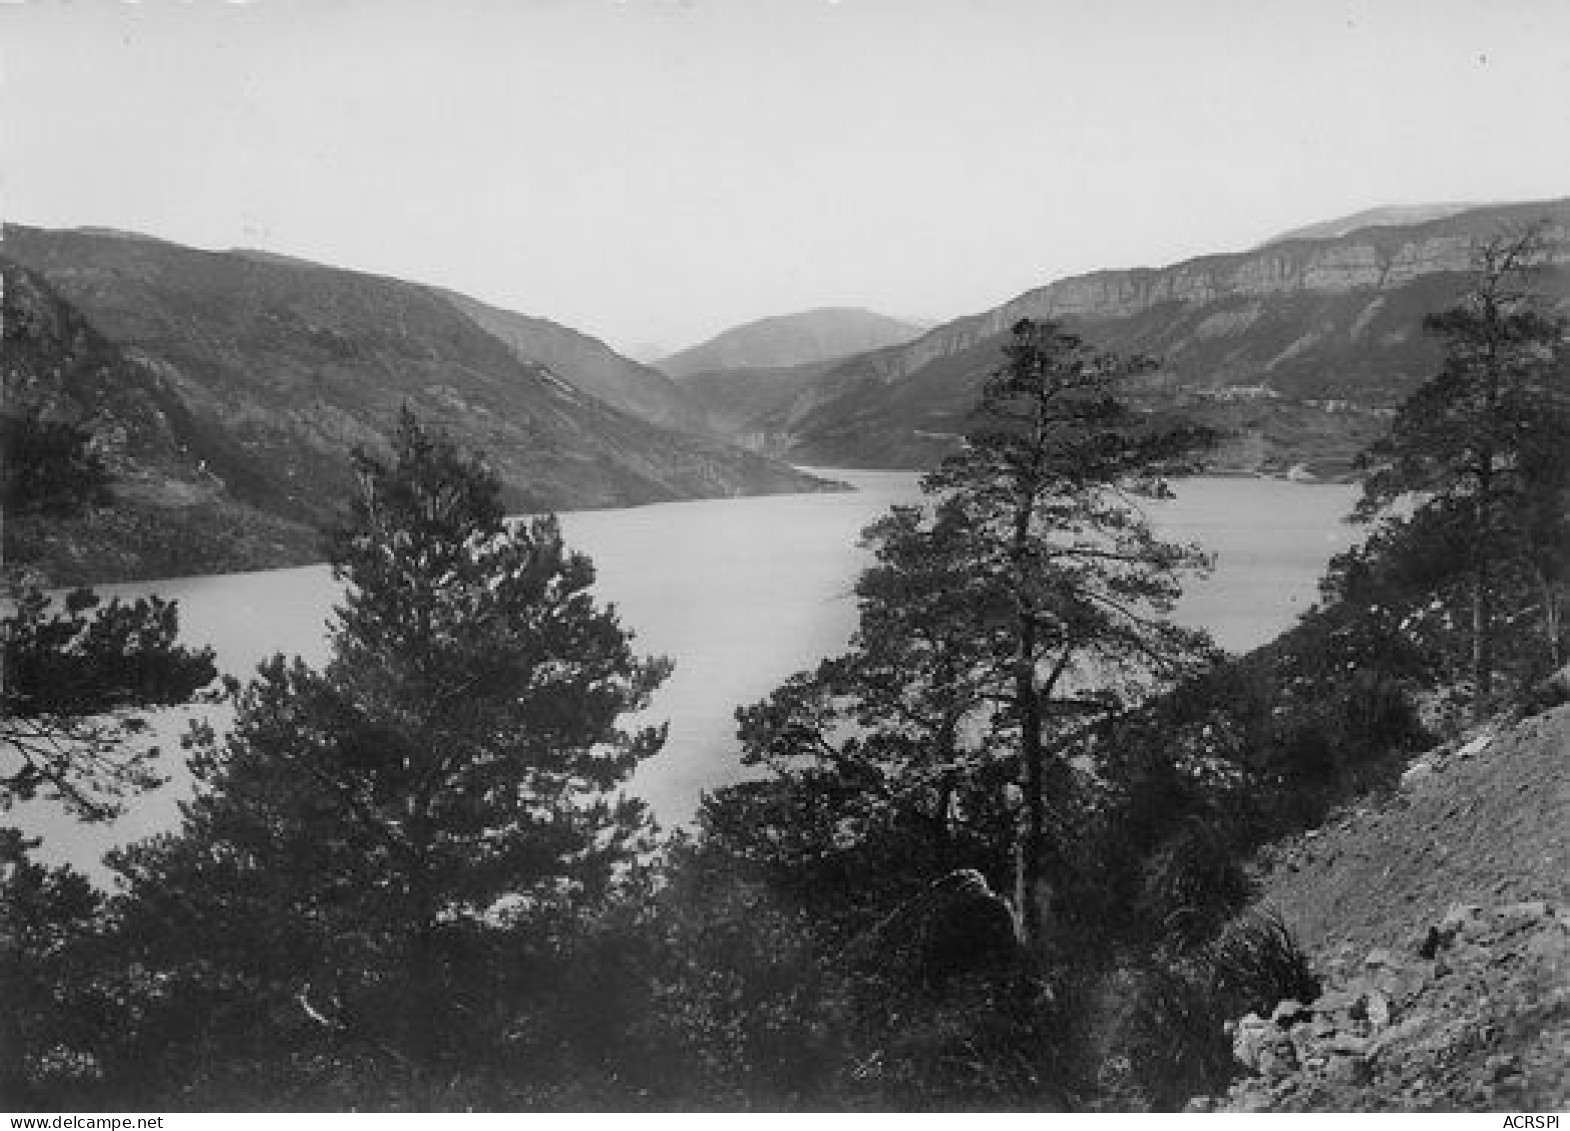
point(1171, 1029)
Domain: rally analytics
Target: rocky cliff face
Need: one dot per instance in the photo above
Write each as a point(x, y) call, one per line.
point(266, 372)
point(1373, 260)
point(1305, 322)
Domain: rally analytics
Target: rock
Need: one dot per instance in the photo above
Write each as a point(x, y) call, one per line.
point(1475, 747)
point(1345, 1044)
point(1289, 1012)
point(1378, 957)
point(1554, 690)
point(1277, 1061)
point(1332, 1002)
point(1416, 772)
point(1460, 919)
point(1352, 1070)
point(962, 926)
point(1550, 945)
point(1502, 1065)
point(1408, 1027)
point(1530, 911)
point(1376, 1008)
point(1249, 1039)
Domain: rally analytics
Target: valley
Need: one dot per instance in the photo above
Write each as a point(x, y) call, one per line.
point(225, 389)
point(775, 733)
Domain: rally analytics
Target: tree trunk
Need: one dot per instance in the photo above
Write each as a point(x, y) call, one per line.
point(424, 974)
point(942, 839)
point(1553, 619)
point(1032, 891)
point(1482, 601)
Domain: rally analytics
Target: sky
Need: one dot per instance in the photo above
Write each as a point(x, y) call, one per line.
point(654, 171)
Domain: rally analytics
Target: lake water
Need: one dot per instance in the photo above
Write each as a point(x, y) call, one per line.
point(740, 593)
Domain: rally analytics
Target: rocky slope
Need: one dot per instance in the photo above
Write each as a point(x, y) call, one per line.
point(261, 373)
point(1474, 1017)
point(1330, 328)
point(791, 339)
point(1440, 917)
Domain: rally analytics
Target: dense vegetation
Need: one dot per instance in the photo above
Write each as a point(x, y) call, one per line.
point(997, 858)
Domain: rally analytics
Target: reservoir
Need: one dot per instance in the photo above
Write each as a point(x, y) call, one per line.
point(740, 593)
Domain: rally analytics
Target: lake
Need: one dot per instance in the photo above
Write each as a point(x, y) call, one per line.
point(740, 593)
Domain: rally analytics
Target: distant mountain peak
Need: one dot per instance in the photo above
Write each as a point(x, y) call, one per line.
point(801, 338)
point(1385, 216)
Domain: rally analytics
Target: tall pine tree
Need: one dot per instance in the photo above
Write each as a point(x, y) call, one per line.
point(376, 845)
point(1049, 483)
point(1026, 603)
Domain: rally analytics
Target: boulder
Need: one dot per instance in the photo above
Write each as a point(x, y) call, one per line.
point(1289, 1012)
point(962, 926)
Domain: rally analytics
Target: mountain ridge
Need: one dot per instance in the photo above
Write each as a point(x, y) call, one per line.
point(280, 368)
point(1322, 326)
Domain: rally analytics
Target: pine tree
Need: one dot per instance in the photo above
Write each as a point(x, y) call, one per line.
point(886, 741)
point(1048, 483)
point(48, 920)
point(1479, 451)
point(78, 678)
point(372, 838)
point(1025, 603)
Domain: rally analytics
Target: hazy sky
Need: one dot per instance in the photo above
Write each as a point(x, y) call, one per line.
point(653, 171)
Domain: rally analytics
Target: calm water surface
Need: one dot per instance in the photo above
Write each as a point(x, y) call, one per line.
point(741, 593)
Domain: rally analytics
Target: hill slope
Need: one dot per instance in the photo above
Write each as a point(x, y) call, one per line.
point(278, 368)
point(587, 364)
point(1256, 342)
point(1439, 914)
point(172, 512)
point(752, 406)
point(791, 339)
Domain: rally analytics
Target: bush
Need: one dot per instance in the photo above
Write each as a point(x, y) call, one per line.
point(49, 468)
point(1171, 1030)
point(1194, 881)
